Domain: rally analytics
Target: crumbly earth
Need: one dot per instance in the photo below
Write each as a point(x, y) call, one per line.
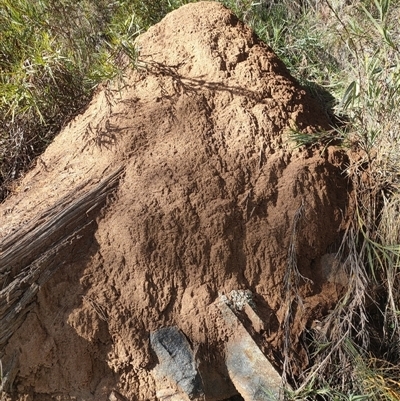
point(213, 198)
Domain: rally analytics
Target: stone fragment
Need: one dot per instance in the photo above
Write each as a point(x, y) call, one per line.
point(176, 365)
point(333, 270)
point(250, 371)
point(115, 396)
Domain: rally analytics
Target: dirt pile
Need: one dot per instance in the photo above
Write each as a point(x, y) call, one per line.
point(213, 198)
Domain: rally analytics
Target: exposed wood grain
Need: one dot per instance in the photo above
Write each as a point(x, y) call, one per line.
point(27, 257)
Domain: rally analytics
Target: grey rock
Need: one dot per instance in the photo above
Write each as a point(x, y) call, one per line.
point(176, 361)
point(115, 396)
point(250, 371)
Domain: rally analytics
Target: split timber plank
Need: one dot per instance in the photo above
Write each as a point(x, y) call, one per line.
point(27, 256)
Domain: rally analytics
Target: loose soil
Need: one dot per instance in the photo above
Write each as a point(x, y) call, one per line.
point(214, 197)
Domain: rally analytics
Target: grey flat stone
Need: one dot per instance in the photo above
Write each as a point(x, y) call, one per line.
point(250, 371)
point(176, 361)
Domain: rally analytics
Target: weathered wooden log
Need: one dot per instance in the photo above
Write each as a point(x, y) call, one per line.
point(27, 256)
point(56, 222)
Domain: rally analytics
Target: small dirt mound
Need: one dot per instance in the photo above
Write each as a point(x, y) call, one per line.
point(213, 199)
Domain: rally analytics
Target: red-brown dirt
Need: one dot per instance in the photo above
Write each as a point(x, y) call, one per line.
point(212, 197)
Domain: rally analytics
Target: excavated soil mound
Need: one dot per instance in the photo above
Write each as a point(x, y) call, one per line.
point(210, 197)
